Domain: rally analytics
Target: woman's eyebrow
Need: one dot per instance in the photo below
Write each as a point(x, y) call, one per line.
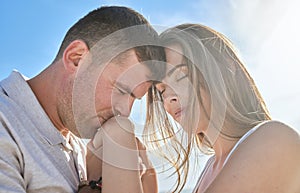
point(173, 69)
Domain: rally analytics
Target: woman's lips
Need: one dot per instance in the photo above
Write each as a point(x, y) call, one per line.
point(178, 113)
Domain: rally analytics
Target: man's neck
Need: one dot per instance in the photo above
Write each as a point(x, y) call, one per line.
point(44, 87)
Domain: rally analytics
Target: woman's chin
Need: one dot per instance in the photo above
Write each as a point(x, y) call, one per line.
point(180, 119)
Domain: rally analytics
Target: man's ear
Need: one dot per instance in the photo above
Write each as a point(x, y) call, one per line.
point(75, 51)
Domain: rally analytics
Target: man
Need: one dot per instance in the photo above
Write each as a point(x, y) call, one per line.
point(104, 63)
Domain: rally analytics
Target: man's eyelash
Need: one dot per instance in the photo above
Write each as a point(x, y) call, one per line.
point(121, 91)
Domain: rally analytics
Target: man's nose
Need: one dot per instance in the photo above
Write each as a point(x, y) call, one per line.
point(124, 107)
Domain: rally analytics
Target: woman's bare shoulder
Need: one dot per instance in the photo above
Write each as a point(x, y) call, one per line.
point(277, 127)
point(271, 139)
point(275, 133)
point(266, 161)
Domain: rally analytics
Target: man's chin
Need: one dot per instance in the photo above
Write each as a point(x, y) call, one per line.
point(88, 132)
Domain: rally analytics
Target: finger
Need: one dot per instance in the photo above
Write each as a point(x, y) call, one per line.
point(140, 145)
point(142, 167)
point(97, 141)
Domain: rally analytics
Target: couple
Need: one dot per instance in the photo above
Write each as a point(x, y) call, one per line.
point(108, 59)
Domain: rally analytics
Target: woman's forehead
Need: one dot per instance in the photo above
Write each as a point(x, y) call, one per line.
point(174, 54)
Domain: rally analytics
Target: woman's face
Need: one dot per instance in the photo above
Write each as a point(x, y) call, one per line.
point(176, 90)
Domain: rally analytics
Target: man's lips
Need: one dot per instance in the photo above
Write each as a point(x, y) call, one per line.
point(103, 117)
point(102, 120)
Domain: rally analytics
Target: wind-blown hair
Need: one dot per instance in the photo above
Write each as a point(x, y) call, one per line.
point(214, 66)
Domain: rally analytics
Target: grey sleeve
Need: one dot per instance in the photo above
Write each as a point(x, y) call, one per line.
point(11, 163)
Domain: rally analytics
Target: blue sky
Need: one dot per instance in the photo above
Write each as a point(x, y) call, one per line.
point(31, 31)
point(265, 32)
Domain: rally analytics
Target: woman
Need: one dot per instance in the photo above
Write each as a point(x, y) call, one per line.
point(210, 93)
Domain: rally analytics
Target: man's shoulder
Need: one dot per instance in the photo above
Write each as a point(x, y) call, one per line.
point(7, 106)
point(11, 115)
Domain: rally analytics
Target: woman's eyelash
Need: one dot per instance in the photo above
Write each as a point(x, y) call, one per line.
point(182, 78)
point(161, 92)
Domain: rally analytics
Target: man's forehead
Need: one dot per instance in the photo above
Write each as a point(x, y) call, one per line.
point(134, 75)
point(126, 58)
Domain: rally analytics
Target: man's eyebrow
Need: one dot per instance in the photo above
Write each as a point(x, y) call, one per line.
point(173, 69)
point(126, 88)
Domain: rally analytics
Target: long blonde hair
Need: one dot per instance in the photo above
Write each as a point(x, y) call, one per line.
point(213, 64)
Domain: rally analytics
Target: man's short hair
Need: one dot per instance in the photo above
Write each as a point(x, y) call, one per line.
point(106, 20)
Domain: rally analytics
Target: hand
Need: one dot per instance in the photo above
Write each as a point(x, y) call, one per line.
point(147, 172)
point(120, 155)
point(144, 162)
point(88, 189)
point(84, 187)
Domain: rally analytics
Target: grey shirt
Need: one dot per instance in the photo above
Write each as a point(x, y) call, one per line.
point(33, 154)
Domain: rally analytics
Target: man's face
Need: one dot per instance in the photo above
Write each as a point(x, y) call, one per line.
point(114, 90)
point(119, 85)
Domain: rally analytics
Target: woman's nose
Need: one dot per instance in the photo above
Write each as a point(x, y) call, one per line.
point(167, 93)
point(171, 102)
point(172, 99)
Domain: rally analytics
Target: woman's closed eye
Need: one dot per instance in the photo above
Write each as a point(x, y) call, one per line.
point(182, 77)
point(179, 72)
point(161, 92)
point(161, 88)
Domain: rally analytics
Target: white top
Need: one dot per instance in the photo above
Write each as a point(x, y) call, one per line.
point(34, 156)
point(210, 160)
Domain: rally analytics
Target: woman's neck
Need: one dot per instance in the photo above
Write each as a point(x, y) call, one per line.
point(222, 148)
